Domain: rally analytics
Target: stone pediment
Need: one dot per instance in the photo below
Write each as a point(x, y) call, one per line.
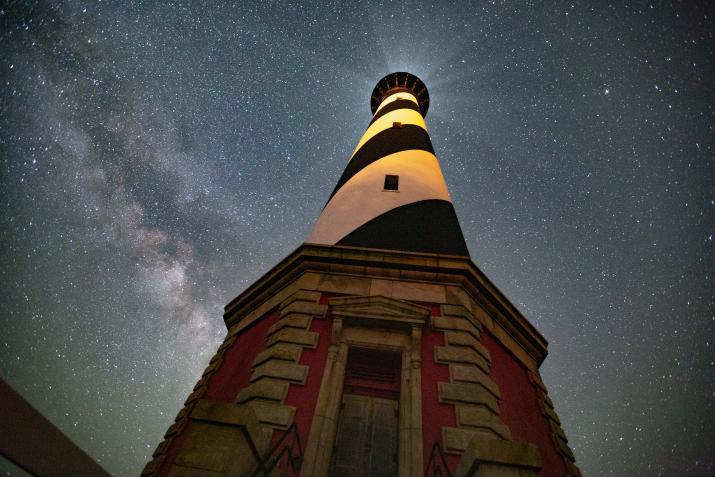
point(379, 308)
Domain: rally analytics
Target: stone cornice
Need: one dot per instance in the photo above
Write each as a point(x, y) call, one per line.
point(408, 266)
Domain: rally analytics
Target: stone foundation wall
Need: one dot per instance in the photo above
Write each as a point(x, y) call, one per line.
point(268, 372)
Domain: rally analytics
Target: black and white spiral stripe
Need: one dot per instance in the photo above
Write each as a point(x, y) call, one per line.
point(419, 216)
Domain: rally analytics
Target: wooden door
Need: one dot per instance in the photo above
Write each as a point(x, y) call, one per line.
point(367, 434)
point(366, 441)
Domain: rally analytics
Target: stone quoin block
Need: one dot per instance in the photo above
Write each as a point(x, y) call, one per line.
point(484, 418)
point(445, 323)
point(274, 415)
point(301, 322)
point(467, 393)
point(461, 338)
point(264, 389)
point(459, 354)
point(294, 336)
point(460, 311)
point(302, 308)
point(279, 351)
point(295, 373)
point(473, 374)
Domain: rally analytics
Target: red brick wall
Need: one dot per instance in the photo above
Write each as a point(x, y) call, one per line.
point(305, 397)
point(519, 407)
point(234, 373)
point(435, 415)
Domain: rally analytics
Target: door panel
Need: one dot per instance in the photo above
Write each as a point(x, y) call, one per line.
point(366, 441)
point(351, 438)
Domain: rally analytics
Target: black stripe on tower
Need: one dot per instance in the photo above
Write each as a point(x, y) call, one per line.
point(394, 106)
point(386, 142)
point(426, 226)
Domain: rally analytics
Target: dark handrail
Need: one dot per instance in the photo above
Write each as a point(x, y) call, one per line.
point(437, 470)
point(266, 463)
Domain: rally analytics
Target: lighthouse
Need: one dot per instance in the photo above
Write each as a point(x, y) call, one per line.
point(377, 348)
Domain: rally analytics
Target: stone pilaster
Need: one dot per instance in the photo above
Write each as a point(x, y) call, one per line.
point(472, 392)
point(276, 368)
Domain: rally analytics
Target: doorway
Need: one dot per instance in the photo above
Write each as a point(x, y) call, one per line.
point(368, 423)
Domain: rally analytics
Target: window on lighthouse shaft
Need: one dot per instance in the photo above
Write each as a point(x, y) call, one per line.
point(392, 182)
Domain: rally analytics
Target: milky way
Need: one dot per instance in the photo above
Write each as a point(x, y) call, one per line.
point(157, 159)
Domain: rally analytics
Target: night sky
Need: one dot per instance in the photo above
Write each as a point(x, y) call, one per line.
point(155, 160)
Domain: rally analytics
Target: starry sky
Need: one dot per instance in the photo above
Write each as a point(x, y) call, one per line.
point(158, 158)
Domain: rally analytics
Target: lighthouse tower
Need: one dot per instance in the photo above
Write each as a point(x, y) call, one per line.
point(377, 348)
point(392, 194)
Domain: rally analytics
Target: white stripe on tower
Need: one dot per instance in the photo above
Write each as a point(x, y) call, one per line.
point(403, 116)
point(362, 199)
point(394, 97)
point(364, 210)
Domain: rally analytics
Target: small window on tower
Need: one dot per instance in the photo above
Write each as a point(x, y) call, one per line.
point(397, 125)
point(392, 182)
